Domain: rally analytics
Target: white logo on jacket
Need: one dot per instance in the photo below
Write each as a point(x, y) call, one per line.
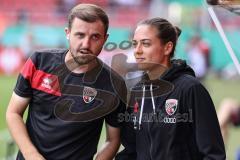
point(47, 83)
point(170, 107)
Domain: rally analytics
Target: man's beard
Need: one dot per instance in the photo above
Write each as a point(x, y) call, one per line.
point(83, 60)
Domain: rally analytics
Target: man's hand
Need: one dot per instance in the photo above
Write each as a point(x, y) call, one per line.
point(110, 148)
point(33, 156)
point(17, 127)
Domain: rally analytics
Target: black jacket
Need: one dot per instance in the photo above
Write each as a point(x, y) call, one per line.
point(184, 126)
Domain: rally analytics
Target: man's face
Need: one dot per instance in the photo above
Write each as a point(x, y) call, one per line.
point(148, 49)
point(86, 40)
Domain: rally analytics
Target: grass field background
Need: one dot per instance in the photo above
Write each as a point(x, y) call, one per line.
point(218, 89)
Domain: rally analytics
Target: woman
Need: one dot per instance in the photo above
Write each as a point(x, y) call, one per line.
point(173, 115)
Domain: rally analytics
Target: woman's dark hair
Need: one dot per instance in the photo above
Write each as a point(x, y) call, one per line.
point(166, 31)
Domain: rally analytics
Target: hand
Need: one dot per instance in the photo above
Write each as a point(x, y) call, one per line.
point(34, 156)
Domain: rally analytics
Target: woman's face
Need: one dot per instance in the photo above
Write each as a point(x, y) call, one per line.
point(148, 49)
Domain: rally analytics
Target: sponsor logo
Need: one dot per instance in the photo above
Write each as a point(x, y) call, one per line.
point(169, 120)
point(171, 106)
point(89, 94)
point(46, 83)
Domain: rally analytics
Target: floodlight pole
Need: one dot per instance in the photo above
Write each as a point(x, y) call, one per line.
point(224, 38)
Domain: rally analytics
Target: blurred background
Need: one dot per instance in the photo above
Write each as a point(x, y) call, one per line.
point(27, 25)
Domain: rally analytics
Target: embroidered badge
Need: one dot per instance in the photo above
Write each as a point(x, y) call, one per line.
point(171, 106)
point(89, 94)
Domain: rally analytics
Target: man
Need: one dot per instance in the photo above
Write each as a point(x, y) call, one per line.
point(228, 114)
point(70, 93)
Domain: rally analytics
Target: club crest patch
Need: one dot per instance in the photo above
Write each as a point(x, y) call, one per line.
point(89, 94)
point(171, 106)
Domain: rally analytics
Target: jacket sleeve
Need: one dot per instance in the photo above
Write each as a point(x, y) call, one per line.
point(128, 139)
point(206, 127)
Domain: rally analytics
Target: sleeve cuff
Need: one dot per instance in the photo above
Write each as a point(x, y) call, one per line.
point(22, 94)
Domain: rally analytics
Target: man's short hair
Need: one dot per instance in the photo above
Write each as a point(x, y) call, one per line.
point(89, 13)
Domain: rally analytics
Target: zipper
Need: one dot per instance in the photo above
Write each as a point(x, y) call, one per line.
point(149, 134)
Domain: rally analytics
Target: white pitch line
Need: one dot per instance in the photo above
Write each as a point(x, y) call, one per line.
point(224, 38)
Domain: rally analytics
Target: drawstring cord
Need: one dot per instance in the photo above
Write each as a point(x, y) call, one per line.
point(142, 107)
point(153, 103)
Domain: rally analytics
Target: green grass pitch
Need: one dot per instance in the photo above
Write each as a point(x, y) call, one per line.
point(218, 89)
